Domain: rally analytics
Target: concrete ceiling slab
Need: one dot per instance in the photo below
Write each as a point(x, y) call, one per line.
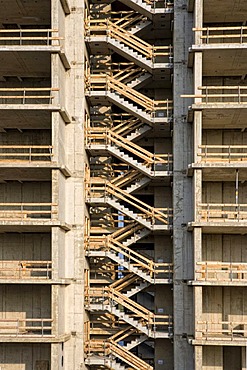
point(224, 118)
point(219, 11)
point(226, 62)
point(223, 174)
point(25, 119)
point(25, 174)
point(26, 64)
point(24, 12)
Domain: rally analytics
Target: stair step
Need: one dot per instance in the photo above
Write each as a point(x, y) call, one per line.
point(135, 342)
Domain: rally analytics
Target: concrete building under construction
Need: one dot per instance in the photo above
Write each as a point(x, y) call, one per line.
point(123, 168)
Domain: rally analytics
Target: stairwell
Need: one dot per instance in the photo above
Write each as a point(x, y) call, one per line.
point(131, 273)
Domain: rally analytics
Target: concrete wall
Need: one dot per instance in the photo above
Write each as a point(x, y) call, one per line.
point(36, 192)
point(59, 139)
point(224, 304)
point(36, 246)
point(182, 189)
point(164, 355)
point(226, 248)
point(224, 137)
point(24, 356)
point(31, 301)
point(223, 192)
point(227, 358)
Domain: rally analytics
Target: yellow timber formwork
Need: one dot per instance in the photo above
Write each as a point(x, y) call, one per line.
point(128, 106)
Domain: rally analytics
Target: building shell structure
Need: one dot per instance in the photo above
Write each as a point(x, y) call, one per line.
point(122, 184)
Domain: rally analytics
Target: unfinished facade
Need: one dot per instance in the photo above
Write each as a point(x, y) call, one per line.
point(41, 179)
point(218, 172)
point(122, 185)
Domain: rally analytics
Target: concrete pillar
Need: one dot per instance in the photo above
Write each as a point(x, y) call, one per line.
point(197, 236)
point(55, 253)
point(197, 310)
point(244, 357)
point(197, 135)
point(198, 20)
point(197, 193)
point(198, 357)
point(198, 75)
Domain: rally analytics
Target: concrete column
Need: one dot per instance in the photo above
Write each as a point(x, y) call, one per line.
point(197, 193)
point(198, 20)
point(244, 357)
point(197, 135)
point(56, 356)
point(55, 137)
point(197, 235)
point(55, 309)
point(197, 310)
point(198, 75)
point(55, 253)
point(198, 357)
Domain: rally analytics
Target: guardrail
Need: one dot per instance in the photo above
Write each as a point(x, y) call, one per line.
point(30, 153)
point(222, 212)
point(109, 348)
point(107, 296)
point(27, 211)
point(160, 3)
point(27, 95)
point(25, 269)
point(108, 83)
point(221, 330)
point(222, 35)
point(109, 244)
point(103, 136)
point(221, 271)
point(104, 27)
point(24, 37)
point(26, 327)
point(223, 153)
point(106, 189)
point(220, 94)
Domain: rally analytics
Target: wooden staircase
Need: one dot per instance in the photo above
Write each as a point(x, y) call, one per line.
point(122, 272)
point(128, 45)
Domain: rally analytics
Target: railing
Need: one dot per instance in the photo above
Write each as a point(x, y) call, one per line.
point(108, 296)
point(222, 212)
point(26, 327)
point(221, 94)
point(221, 271)
point(223, 153)
point(220, 35)
point(123, 334)
point(221, 330)
point(127, 231)
point(25, 269)
point(101, 136)
point(27, 95)
point(127, 178)
point(27, 211)
point(124, 72)
point(121, 123)
point(108, 83)
point(109, 348)
point(104, 27)
point(149, 213)
point(31, 153)
point(160, 3)
point(25, 37)
point(125, 282)
point(125, 19)
point(146, 265)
